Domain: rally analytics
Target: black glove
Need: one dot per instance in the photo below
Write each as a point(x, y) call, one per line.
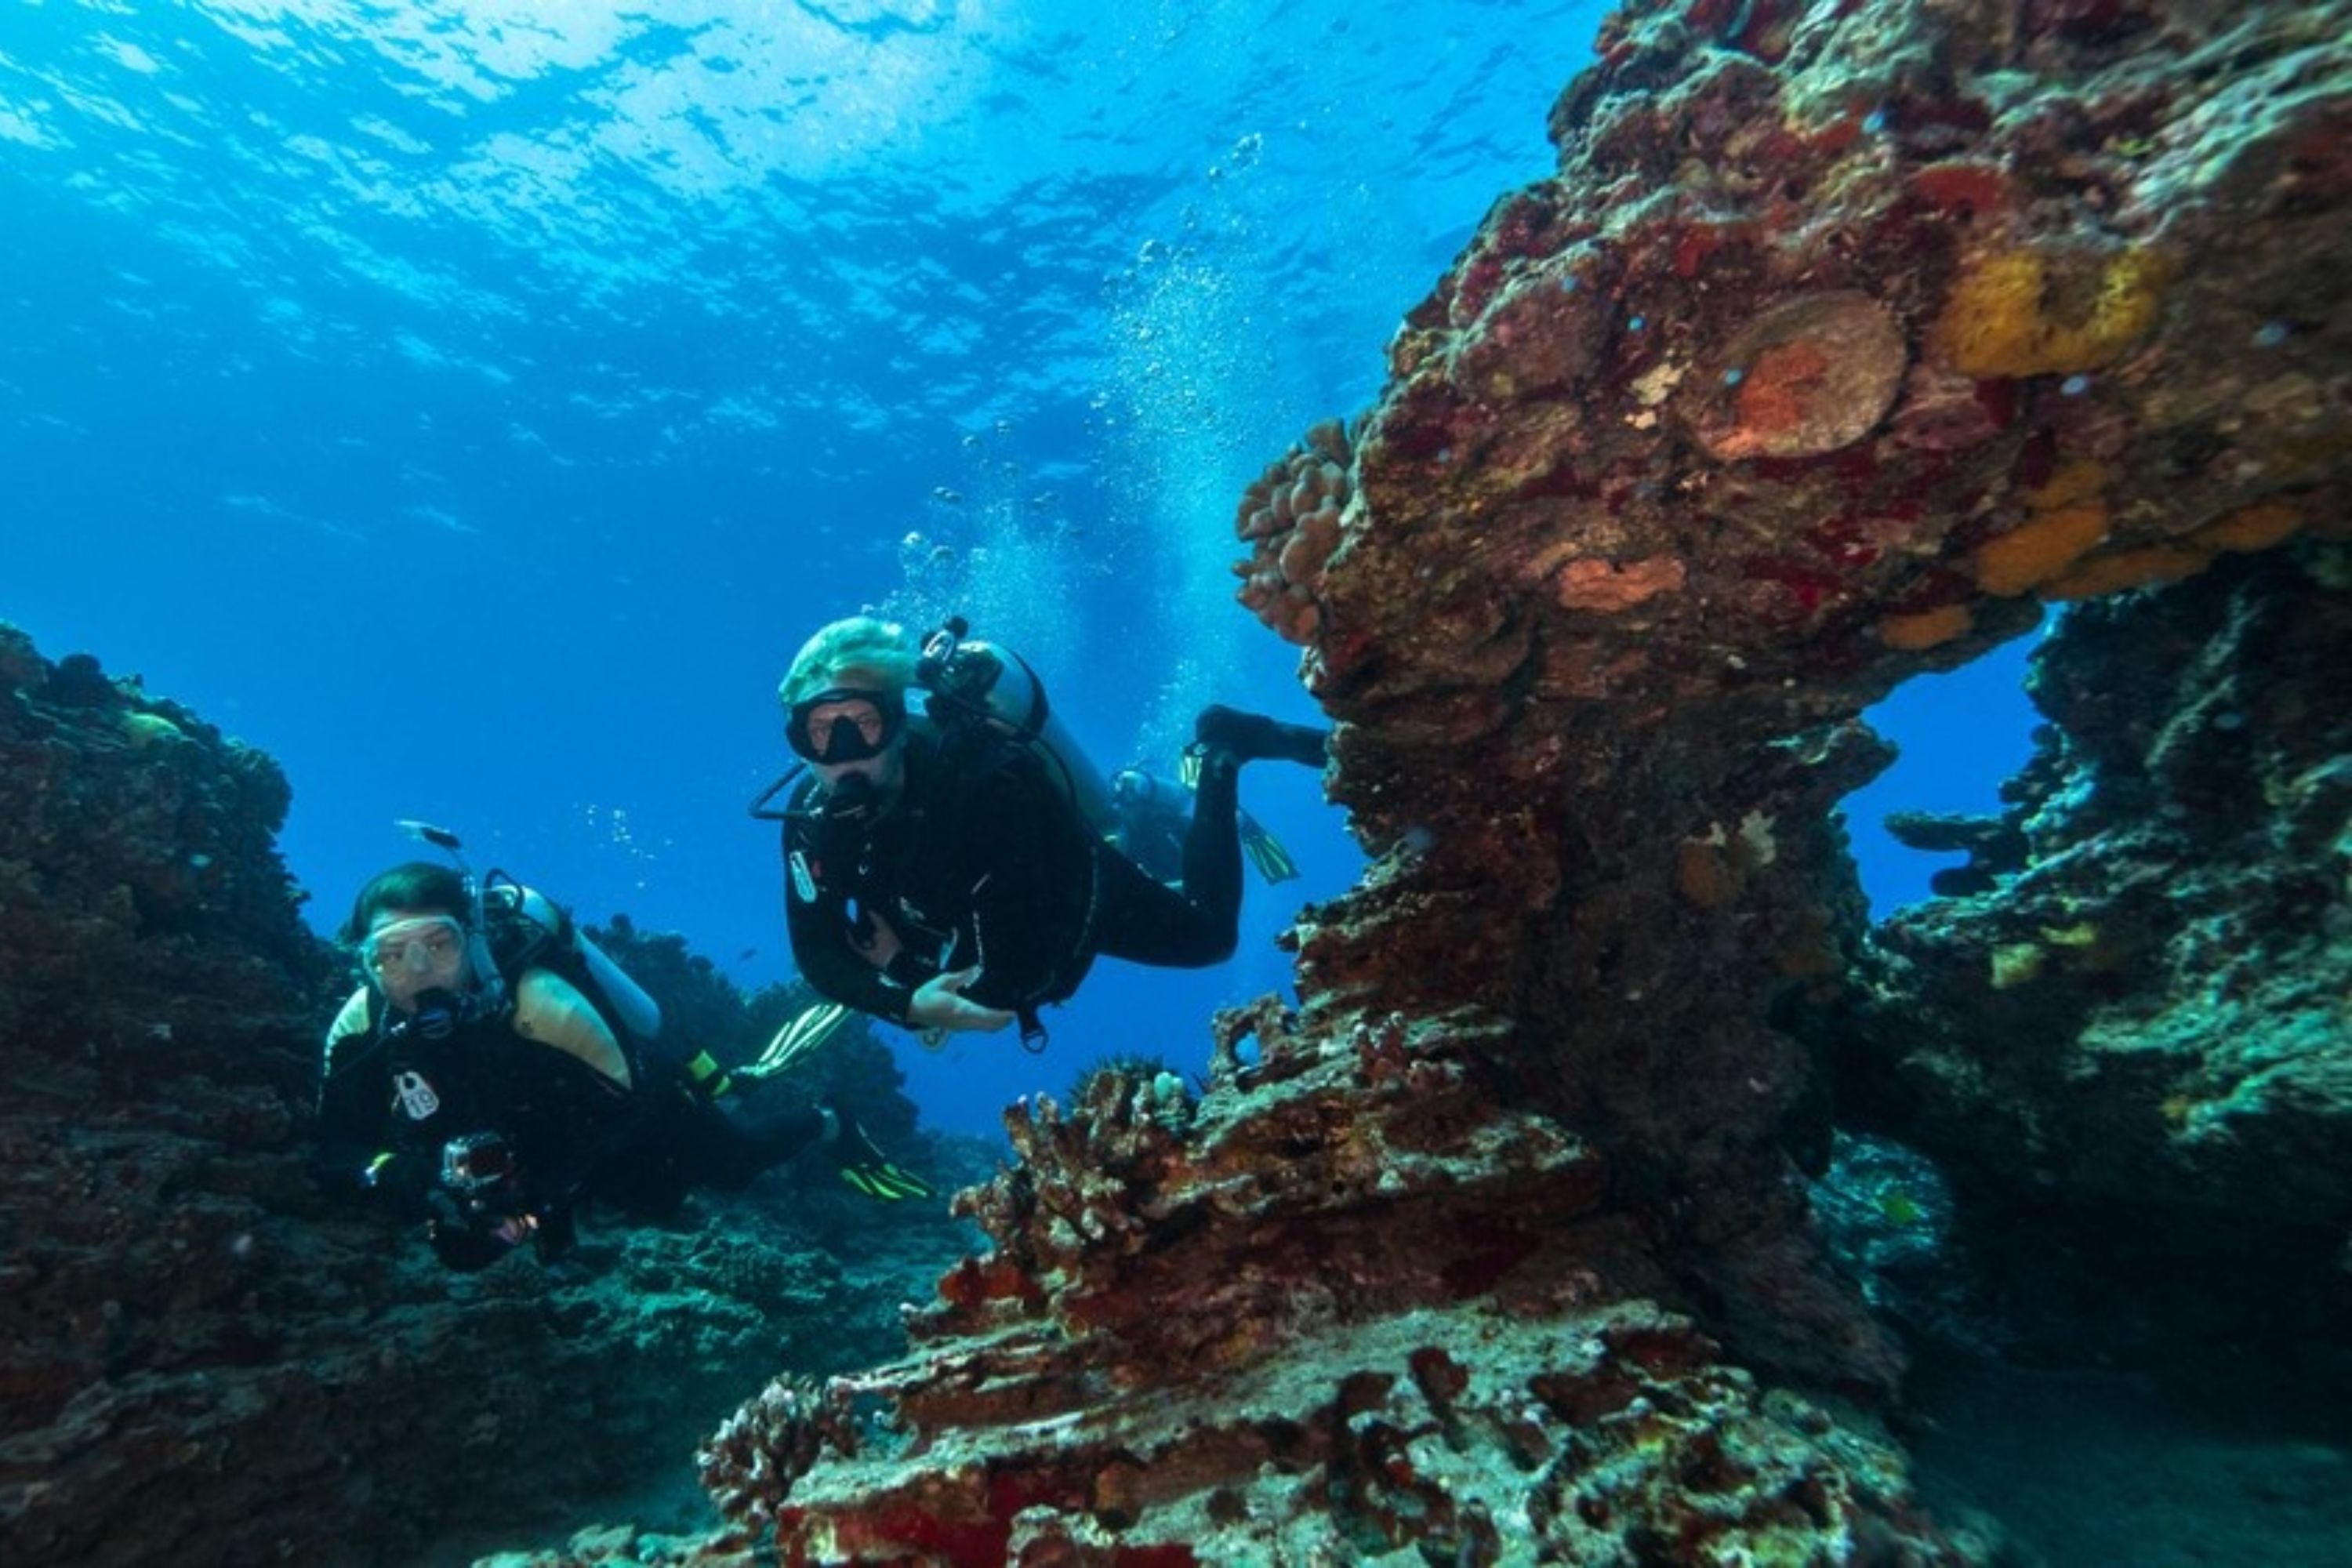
point(554, 1235)
point(863, 1164)
point(469, 1241)
point(477, 1212)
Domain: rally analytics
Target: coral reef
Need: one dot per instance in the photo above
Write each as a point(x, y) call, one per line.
point(1843, 335)
point(206, 1360)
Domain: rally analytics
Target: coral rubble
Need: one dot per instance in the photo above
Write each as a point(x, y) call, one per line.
point(1844, 337)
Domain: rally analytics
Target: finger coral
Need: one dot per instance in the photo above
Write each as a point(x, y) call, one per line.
point(749, 1464)
point(1290, 517)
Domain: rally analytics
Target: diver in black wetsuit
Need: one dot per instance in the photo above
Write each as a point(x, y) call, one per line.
point(490, 1099)
point(946, 876)
point(1153, 816)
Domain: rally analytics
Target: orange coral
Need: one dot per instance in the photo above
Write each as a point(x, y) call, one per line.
point(2086, 576)
point(1703, 875)
point(1811, 374)
point(2020, 312)
point(2039, 550)
point(1606, 587)
point(2255, 527)
point(2127, 569)
point(1783, 380)
point(1926, 628)
point(2073, 482)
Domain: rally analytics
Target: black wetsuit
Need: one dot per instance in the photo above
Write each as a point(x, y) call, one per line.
point(574, 1133)
point(983, 859)
point(1152, 827)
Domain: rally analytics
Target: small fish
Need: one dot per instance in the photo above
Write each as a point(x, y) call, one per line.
point(1901, 1207)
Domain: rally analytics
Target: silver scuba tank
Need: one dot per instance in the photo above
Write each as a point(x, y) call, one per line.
point(971, 678)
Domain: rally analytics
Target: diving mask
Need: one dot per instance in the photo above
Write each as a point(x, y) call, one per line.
point(845, 725)
point(424, 946)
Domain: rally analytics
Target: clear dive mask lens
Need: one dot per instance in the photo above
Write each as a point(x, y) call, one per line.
point(844, 726)
point(414, 946)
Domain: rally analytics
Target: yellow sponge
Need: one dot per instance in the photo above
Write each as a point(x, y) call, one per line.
point(2018, 312)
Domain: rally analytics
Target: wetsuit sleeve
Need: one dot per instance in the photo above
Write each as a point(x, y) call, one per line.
point(354, 1101)
point(575, 1105)
point(1028, 865)
point(816, 916)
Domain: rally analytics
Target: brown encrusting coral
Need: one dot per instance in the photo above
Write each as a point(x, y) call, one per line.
point(1844, 337)
point(1349, 1310)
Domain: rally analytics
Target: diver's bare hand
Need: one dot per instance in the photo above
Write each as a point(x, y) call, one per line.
point(939, 1003)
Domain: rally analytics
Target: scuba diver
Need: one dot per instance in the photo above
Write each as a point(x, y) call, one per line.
point(953, 871)
point(497, 1070)
point(1153, 816)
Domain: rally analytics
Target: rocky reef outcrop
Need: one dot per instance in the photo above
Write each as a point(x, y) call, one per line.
point(1847, 337)
point(202, 1360)
point(2129, 1049)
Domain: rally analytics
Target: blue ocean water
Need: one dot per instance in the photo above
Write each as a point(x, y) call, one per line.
point(473, 403)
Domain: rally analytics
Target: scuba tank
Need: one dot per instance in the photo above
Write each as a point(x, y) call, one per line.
point(540, 921)
point(970, 681)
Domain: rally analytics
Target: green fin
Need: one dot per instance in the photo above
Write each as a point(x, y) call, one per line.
point(884, 1181)
point(1266, 852)
point(709, 1076)
point(795, 1041)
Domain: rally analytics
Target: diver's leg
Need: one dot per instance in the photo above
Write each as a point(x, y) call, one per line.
point(1253, 737)
point(1199, 924)
point(1146, 921)
point(1213, 845)
point(728, 1150)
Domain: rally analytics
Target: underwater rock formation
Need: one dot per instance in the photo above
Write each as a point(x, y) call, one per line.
point(2131, 1047)
point(203, 1361)
point(1845, 338)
